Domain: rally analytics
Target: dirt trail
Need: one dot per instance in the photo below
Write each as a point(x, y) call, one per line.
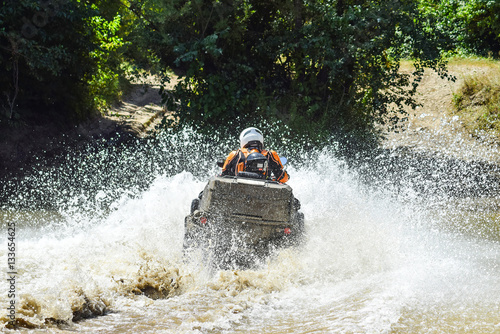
point(141, 110)
point(136, 116)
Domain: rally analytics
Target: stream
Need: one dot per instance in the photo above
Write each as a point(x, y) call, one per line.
point(399, 242)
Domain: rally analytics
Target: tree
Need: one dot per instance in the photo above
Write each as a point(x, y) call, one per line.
point(60, 59)
point(320, 66)
point(470, 27)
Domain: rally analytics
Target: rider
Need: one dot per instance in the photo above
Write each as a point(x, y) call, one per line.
point(251, 157)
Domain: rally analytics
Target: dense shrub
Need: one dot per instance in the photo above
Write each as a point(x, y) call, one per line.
point(318, 67)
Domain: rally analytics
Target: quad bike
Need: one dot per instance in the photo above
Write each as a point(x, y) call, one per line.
point(238, 221)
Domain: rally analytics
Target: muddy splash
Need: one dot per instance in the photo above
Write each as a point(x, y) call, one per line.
point(387, 254)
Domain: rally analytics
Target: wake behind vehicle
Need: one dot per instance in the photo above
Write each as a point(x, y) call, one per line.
point(239, 220)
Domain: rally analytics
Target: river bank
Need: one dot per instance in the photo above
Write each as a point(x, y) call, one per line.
point(431, 128)
point(134, 117)
point(435, 128)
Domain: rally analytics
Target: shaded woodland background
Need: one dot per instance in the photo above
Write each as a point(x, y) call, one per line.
point(314, 68)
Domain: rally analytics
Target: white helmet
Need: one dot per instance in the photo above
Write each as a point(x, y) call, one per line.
point(251, 134)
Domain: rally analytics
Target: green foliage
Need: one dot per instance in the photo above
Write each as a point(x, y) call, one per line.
point(60, 59)
point(104, 81)
point(321, 67)
point(41, 63)
point(318, 67)
point(468, 27)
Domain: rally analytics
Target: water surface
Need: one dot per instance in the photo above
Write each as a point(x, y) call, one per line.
point(106, 256)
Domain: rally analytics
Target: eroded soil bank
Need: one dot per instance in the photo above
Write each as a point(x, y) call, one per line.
point(434, 128)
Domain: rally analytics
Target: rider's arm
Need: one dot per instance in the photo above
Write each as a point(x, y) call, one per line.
point(229, 166)
point(276, 167)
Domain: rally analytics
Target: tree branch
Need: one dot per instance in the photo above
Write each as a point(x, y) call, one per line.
point(136, 12)
point(15, 76)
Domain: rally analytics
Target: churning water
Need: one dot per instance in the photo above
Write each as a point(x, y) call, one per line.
point(389, 249)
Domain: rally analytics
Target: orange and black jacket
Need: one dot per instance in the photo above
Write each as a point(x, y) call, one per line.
point(235, 163)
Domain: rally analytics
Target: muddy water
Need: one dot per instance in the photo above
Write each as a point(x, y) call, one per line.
point(381, 259)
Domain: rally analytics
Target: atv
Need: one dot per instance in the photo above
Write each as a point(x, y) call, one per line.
point(238, 221)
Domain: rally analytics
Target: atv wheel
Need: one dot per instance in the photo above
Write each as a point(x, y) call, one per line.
point(195, 205)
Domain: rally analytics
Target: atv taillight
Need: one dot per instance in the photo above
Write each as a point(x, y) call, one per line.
point(203, 220)
point(287, 230)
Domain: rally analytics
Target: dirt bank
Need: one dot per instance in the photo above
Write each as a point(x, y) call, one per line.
point(434, 128)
